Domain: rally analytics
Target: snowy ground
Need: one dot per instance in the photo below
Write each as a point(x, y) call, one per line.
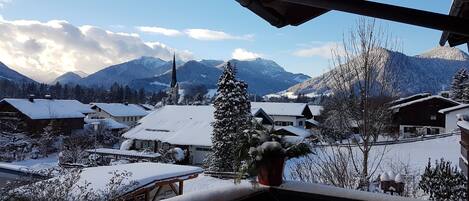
point(416, 154)
point(203, 182)
point(40, 163)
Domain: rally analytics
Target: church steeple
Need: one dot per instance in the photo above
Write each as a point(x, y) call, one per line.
point(173, 75)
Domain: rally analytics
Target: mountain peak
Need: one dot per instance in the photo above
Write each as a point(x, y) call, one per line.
point(10, 74)
point(149, 61)
point(445, 52)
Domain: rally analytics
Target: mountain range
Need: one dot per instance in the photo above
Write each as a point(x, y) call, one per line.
point(431, 71)
point(11, 75)
point(262, 76)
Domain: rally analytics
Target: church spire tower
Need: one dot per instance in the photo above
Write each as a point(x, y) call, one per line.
point(173, 92)
point(173, 75)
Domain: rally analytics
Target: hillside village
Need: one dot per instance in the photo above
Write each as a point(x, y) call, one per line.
point(379, 125)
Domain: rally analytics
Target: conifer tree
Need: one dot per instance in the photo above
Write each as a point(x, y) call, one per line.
point(458, 85)
point(232, 117)
point(443, 182)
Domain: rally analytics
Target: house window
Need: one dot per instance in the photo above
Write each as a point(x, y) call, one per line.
point(300, 123)
point(433, 117)
point(203, 149)
point(138, 144)
point(284, 123)
point(410, 130)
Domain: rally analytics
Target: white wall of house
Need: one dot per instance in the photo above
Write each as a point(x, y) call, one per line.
point(127, 120)
point(451, 120)
point(403, 129)
point(299, 122)
point(198, 154)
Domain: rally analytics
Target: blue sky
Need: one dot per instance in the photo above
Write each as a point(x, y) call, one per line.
point(240, 28)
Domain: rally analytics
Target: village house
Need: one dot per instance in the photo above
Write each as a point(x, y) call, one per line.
point(288, 114)
point(419, 114)
point(188, 127)
point(34, 114)
point(124, 113)
point(451, 116)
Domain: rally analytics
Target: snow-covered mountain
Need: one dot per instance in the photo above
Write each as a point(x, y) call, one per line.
point(69, 78)
point(123, 73)
point(431, 71)
point(263, 76)
point(11, 75)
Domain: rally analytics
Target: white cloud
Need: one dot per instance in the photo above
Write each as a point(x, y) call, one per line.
point(319, 49)
point(206, 34)
point(242, 54)
point(160, 30)
point(42, 50)
point(3, 3)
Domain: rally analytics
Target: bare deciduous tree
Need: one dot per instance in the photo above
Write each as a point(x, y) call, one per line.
point(362, 83)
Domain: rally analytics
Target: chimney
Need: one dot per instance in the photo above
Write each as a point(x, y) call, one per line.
point(31, 98)
point(48, 96)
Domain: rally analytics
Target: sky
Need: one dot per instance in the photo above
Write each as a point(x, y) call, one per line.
point(46, 38)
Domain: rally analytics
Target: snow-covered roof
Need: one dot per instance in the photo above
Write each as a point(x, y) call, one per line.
point(411, 97)
point(422, 100)
point(108, 123)
point(121, 109)
point(315, 109)
point(143, 173)
point(49, 108)
point(314, 122)
point(300, 132)
point(147, 106)
point(463, 124)
point(281, 109)
point(176, 124)
point(450, 109)
point(130, 153)
point(258, 111)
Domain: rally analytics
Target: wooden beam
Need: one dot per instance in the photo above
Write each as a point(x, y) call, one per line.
point(157, 192)
point(394, 13)
point(174, 188)
point(181, 187)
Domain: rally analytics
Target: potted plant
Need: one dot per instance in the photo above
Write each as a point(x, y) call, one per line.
point(267, 155)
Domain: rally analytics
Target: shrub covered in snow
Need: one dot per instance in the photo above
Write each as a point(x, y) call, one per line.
point(264, 146)
point(443, 182)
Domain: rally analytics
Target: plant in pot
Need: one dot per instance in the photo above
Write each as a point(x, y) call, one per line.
point(267, 155)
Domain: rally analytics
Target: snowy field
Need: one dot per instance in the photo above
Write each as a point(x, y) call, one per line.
point(415, 154)
point(40, 163)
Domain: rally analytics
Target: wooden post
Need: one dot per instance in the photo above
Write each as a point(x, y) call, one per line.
point(463, 162)
point(181, 187)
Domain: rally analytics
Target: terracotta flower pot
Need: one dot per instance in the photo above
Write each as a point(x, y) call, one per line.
point(271, 172)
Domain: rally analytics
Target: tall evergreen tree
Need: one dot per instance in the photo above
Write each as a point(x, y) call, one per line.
point(457, 86)
point(232, 117)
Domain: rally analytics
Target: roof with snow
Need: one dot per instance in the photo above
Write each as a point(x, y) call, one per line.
point(410, 98)
point(179, 125)
point(405, 104)
point(176, 124)
point(128, 153)
point(315, 109)
point(143, 173)
point(281, 109)
point(49, 108)
point(121, 109)
point(314, 122)
point(450, 109)
point(297, 131)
